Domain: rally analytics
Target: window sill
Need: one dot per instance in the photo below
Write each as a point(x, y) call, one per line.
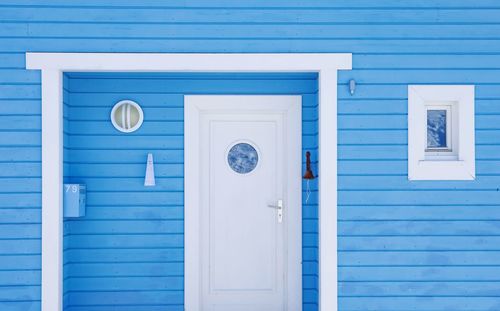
point(442, 170)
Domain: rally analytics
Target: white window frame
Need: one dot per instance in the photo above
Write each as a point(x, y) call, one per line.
point(457, 163)
point(53, 65)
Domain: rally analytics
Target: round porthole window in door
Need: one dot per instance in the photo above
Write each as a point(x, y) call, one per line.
point(242, 158)
point(127, 116)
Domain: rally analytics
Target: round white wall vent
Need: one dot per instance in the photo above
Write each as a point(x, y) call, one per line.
point(127, 116)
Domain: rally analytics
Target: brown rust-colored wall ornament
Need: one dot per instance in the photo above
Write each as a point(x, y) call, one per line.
point(309, 173)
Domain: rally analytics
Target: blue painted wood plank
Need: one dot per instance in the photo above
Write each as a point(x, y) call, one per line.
point(248, 76)
point(126, 298)
point(21, 139)
point(20, 277)
point(453, 62)
point(420, 258)
point(109, 99)
point(437, 289)
point(399, 152)
point(438, 273)
point(419, 303)
point(126, 241)
point(12, 61)
point(423, 243)
point(222, 15)
point(418, 228)
point(20, 262)
point(374, 183)
point(354, 105)
point(15, 231)
point(17, 45)
point(26, 292)
point(421, 76)
point(400, 91)
point(360, 4)
point(125, 227)
point(146, 307)
point(158, 212)
point(20, 200)
point(118, 141)
point(367, 138)
point(20, 169)
point(372, 121)
point(194, 86)
point(125, 170)
point(122, 255)
point(400, 167)
point(20, 107)
point(21, 91)
point(399, 121)
point(17, 184)
point(103, 114)
point(30, 305)
point(424, 197)
point(20, 216)
point(247, 30)
point(126, 284)
point(366, 106)
point(20, 122)
point(106, 128)
point(419, 212)
point(19, 76)
point(129, 198)
point(133, 184)
point(127, 269)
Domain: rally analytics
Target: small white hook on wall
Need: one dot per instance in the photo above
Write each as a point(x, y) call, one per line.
point(149, 180)
point(352, 86)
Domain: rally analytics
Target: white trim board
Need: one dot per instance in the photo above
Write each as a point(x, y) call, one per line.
point(54, 64)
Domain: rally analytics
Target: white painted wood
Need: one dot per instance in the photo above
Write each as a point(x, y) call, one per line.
point(192, 276)
point(52, 187)
point(188, 62)
point(260, 257)
point(327, 146)
point(325, 64)
point(458, 165)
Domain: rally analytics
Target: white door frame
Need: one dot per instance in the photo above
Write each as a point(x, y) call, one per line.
point(53, 65)
point(195, 106)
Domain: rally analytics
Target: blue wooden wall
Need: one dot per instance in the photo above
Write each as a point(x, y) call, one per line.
point(128, 249)
point(417, 246)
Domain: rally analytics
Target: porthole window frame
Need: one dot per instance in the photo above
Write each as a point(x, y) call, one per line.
point(139, 122)
point(253, 145)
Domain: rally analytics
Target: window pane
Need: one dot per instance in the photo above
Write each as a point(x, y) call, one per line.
point(436, 129)
point(242, 158)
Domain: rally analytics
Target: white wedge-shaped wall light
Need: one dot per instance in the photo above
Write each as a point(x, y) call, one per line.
point(149, 180)
point(127, 116)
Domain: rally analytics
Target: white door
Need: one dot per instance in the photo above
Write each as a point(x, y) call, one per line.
point(243, 229)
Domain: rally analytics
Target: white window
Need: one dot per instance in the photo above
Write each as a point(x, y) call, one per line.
point(441, 132)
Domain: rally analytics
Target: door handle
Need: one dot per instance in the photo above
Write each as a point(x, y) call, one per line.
point(279, 207)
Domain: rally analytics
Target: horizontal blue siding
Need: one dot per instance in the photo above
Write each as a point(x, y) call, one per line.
point(417, 246)
point(129, 248)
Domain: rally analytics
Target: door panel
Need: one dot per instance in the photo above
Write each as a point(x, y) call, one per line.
point(240, 233)
point(244, 170)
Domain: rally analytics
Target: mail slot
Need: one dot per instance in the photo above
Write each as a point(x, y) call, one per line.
point(74, 200)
